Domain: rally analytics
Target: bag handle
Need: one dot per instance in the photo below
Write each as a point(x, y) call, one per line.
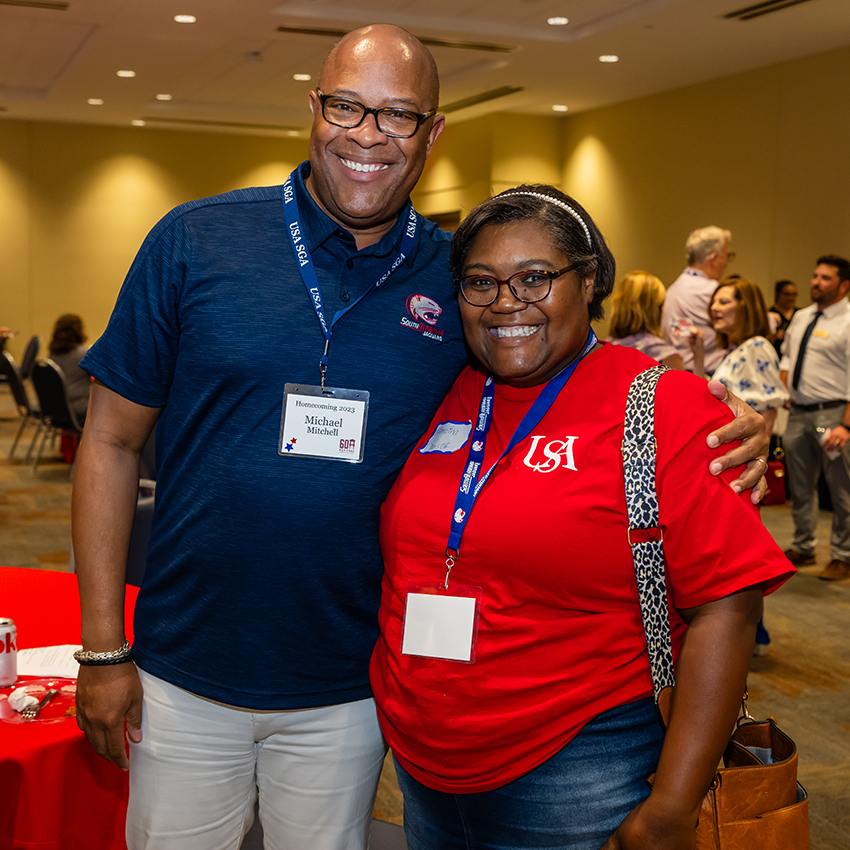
point(644, 534)
point(646, 537)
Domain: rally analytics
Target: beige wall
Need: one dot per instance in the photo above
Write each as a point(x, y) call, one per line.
point(763, 153)
point(76, 202)
point(477, 158)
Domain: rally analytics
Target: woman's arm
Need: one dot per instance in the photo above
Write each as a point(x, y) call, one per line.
point(696, 340)
point(711, 678)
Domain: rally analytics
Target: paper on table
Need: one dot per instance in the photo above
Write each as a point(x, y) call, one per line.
point(49, 661)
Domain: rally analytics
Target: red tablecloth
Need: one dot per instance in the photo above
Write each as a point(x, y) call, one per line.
point(55, 793)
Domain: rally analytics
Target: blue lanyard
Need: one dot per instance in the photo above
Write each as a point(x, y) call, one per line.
point(472, 481)
point(308, 269)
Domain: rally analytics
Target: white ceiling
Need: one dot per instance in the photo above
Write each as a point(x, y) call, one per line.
point(233, 69)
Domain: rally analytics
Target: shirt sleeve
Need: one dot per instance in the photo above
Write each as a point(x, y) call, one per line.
point(751, 371)
point(135, 357)
point(714, 541)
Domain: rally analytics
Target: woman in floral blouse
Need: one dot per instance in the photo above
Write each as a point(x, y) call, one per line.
point(750, 368)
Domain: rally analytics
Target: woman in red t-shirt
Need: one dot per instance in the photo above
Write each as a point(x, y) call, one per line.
point(511, 677)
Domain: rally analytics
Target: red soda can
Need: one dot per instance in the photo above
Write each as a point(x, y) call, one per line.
point(8, 652)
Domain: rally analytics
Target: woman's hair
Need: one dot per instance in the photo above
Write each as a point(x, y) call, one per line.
point(636, 305)
point(779, 286)
point(67, 334)
point(571, 229)
point(750, 316)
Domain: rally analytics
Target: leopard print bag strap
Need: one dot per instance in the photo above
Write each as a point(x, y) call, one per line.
point(644, 534)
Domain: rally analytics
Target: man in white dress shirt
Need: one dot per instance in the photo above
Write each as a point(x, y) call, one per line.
point(686, 304)
point(815, 366)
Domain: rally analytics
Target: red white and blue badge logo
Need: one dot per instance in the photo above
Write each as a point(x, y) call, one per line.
point(423, 313)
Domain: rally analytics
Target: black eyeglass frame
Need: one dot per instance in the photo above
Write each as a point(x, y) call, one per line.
point(551, 275)
point(419, 116)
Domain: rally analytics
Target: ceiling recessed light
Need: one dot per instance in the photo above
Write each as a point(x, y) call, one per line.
point(163, 97)
point(95, 101)
point(301, 77)
point(138, 123)
point(557, 22)
point(185, 19)
point(292, 133)
point(559, 107)
point(609, 58)
point(126, 73)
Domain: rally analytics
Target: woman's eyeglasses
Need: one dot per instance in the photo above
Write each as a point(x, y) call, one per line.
point(481, 290)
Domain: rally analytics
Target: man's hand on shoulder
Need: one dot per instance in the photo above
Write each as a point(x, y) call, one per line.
point(748, 426)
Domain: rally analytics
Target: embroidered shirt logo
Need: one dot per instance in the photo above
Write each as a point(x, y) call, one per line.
point(554, 453)
point(423, 308)
point(423, 312)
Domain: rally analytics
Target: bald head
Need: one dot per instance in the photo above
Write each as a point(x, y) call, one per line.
point(392, 49)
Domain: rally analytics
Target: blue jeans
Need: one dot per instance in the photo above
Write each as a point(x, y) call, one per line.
point(574, 800)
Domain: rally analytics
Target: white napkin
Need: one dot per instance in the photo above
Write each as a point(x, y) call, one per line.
point(20, 699)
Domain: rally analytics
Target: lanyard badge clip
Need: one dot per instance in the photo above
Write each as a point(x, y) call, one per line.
point(451, 560)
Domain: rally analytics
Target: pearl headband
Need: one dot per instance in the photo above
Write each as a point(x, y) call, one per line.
point(557, 203)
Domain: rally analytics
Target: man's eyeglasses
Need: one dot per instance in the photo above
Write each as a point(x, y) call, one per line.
point(390, 120)
point(481, 290)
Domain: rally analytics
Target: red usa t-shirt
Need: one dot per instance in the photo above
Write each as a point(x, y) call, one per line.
point(559, 636)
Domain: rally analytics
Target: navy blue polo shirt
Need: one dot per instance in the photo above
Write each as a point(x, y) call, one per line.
point(263, 577)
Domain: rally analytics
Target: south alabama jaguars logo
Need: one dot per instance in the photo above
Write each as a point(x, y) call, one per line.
point(424, 309)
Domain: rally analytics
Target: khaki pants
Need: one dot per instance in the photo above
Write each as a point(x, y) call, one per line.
point(197, 773)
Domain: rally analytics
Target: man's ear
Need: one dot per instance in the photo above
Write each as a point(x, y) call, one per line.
point(436, 128)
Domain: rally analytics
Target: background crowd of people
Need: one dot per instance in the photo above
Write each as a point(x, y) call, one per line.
point(723, 329)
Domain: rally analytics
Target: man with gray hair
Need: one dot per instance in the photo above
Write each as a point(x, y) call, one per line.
point(686, 305)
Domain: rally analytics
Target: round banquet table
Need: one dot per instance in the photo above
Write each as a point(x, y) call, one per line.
point(55, 792)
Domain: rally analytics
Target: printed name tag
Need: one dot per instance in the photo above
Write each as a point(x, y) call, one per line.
point(820, 333)
point(441, 623)
point(329, 424)
point(448, 437)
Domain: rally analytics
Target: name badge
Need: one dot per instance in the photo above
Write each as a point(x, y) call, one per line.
point(820, 333)
point(328, 424)
point(440, 623)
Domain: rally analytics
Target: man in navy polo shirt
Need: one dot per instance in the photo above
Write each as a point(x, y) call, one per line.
point(292, 343)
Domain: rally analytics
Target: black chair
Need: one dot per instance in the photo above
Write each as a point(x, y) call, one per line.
point(28, 413)
point(56, 413)
point(30, 354)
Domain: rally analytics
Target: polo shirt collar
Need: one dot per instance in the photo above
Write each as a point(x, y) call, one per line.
point(319, 227)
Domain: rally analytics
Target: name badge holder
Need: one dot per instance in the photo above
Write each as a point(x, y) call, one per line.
point(320, 421)
point(441, 622)
point(441, 619)
point(323, 422)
